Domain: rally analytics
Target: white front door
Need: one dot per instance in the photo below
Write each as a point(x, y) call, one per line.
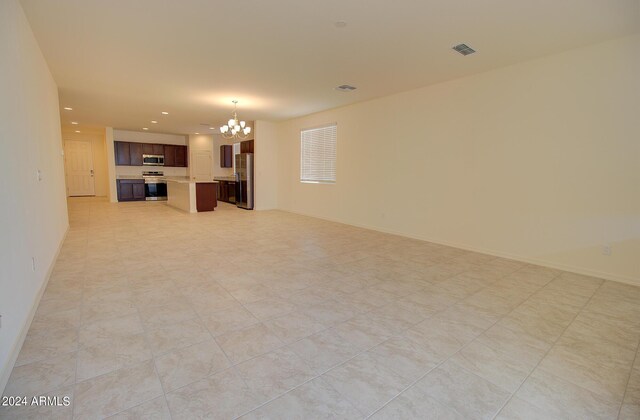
point(78, 164)
point(202, 165)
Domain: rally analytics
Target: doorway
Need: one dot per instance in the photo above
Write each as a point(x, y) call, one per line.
point(78, 165)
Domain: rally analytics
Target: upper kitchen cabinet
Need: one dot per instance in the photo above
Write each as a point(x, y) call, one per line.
point(181, 156)
point(136, 154)
point(169, 155)
point(175, 155)
point(130, 154)
point(246, 146)
point(123, 153)
point(226, 156)
point(152, 149)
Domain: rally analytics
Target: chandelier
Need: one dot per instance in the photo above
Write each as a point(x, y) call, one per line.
point(234, 128)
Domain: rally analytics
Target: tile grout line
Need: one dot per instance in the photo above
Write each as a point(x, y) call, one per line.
point(626, 389)
point(547, 352)
point(459, 350)
point(372, 347)
point(78, 348)
point(155, 367)
point(232, 364)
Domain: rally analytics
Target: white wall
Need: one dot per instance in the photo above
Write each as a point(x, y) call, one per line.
point(200, 143)
point(99, 152)
point(111, 165)
point(266, 148)
point(539, 161)
point(148, 137)
point(33, 214)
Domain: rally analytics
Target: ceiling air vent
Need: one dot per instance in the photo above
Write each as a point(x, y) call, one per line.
point(464, 49)
point(346, 88)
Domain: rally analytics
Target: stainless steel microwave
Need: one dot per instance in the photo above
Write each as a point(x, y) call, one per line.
point(153, 160)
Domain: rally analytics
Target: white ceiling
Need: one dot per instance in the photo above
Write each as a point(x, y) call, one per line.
point(120, 62)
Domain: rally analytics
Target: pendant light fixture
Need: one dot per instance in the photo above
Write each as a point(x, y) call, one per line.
point(234, 128)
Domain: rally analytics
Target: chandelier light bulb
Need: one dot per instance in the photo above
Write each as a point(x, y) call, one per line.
point(242, 124)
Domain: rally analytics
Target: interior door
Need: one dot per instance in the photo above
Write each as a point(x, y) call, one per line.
point(202, 165)
point(78, 163)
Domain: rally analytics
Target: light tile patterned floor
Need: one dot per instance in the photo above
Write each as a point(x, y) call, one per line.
point(155, 312)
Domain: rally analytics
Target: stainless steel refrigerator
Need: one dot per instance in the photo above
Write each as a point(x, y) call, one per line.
point(244, 180)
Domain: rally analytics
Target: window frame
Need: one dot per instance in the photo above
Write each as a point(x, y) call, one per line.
point(318, 127)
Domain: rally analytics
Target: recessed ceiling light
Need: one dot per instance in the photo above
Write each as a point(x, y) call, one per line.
point(67, 108)
point(144, 128)
point(77, 131)
point(212, 128)
point(165, 113)
point(340, 24)
point(346, 88)
point(154, 122)
point(74, 122)
point(197, 133)
point(464, 49)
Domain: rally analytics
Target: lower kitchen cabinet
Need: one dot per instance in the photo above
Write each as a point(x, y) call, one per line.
point(131, 190)
point(206, 196)
point(227, 191)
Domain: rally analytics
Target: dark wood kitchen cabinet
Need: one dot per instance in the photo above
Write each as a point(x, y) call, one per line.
point(169, 155)
point(123, 153)
point(226, 156)
point(246, 146)
point(152, 149)
point(221, 191)
point(175, 155)
point(206, 196)
point(136, 154)
point(181, 156)
point(130, 154)
point(131, 190)
point(227, 191)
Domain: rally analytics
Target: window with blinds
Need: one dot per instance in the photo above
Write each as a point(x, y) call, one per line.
point(318, 154)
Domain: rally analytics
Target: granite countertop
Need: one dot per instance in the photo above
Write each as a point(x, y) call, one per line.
point(129, 177)
point(224, 178)
point(187, 180)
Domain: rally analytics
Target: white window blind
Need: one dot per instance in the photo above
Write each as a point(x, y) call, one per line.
point(318, 154)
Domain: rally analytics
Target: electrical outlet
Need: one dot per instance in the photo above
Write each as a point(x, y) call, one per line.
point(39, 175)
point(606, 250)
point(33, 263)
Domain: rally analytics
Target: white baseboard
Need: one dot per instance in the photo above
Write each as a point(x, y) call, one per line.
point(17, 345)
point(536, 261)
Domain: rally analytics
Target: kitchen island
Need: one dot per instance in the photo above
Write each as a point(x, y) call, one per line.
point(190, 195)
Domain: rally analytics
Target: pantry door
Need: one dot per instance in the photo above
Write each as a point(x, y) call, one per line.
point(202, 165)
